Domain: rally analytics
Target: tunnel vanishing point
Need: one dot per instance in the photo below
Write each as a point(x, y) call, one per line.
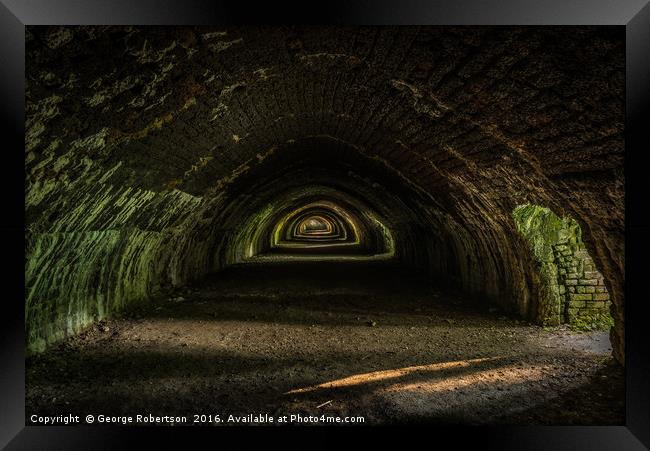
point(489, 157)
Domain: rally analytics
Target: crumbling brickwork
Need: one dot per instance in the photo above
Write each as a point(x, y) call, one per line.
point(581, 285)
point(136, 138)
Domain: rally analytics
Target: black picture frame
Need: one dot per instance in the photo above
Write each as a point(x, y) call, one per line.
point(634, 15)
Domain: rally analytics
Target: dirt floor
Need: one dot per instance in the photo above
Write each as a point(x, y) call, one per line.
point(330, 339)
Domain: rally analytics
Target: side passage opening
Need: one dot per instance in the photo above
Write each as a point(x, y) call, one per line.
point(571, 289)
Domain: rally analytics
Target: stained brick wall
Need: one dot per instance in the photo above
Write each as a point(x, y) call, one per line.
point(140, 132)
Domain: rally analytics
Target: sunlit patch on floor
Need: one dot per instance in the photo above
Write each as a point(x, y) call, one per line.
point(385, 375)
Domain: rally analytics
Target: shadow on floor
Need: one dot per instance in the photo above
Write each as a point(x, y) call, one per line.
point(372, 340)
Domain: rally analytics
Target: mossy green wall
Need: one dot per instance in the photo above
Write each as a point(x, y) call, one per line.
point(570, 289)
point(100, 253)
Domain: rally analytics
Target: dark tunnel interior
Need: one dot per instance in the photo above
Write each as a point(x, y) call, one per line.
point(275, 161)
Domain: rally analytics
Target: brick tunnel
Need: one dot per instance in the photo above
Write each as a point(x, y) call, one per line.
point(190, 190)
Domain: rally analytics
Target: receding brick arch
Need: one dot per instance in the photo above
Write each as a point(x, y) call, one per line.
point(139, 140)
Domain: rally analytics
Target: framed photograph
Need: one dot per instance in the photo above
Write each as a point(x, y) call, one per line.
point(369, 214)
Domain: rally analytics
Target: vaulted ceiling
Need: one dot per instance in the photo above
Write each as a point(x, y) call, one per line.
point(153, 152)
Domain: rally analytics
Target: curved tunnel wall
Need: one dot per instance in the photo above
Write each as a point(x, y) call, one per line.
point(145, 162)
point(317, 224)
point(318, 220)
point(359, 230)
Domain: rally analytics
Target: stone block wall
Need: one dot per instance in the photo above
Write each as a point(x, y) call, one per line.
point(570, 288)
point(582, 287)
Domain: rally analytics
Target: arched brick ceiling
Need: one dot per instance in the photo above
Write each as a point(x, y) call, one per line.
point(141, 134)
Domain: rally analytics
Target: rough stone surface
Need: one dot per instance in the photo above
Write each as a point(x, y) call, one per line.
point(284, 340)
point(565, 296)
